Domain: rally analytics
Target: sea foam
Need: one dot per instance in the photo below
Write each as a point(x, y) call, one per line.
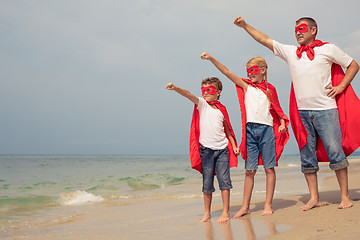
point(79, 198)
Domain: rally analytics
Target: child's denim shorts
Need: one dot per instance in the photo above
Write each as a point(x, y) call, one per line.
point(324, 123)
point(260, 139)
point(215, 161)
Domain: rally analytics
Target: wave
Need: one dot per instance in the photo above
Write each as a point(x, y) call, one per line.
point(79, 198)
point(14, 206)
point(24, 203)
point(151, 181)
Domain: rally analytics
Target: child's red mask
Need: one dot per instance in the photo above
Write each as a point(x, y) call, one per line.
point(302, 28)
point(209, 89)
point(254, 70)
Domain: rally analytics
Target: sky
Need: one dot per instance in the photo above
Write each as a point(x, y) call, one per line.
point(89, 77)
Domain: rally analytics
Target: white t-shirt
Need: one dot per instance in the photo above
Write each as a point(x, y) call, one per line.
point(257, 106)
point(311, 77)
point(212, 133)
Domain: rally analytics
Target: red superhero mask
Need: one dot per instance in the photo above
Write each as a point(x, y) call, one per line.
point(302, 28)
point(209, 89)
point(254, 70)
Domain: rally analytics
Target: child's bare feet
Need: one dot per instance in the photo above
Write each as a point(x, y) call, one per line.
point(223, 218)
point(206, 217)
point(241, 212)
point(267, 210)
point(311, 204)
point(345, 203)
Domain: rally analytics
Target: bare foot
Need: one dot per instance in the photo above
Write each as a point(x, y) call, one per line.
point(267, 211)
point(223, 218)
point(311, 204)
point(206, 217)
point(241, 212)
point(345, 203)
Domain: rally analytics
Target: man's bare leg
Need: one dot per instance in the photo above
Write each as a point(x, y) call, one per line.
point(342, 177)
point(207, 205)
point(311, 179)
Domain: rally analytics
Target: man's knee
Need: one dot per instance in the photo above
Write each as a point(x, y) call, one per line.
point(339, 165)
point(306, 170)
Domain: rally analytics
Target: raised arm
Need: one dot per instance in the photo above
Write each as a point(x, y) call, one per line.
point(222, 68)
point(183, 92)
point(254, 33)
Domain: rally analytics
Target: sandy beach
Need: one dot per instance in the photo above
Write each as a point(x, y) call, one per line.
point(324, 222)
point(179, 218)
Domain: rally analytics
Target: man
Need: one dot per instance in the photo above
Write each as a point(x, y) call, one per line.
point(314, 113)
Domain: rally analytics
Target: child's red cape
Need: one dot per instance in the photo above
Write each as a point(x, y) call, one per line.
point(349, 115)
point(195, 135)
point(275, 111)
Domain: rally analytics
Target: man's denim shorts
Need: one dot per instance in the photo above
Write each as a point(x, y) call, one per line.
point(260, 139)
point(215, 161)
point(324, 123)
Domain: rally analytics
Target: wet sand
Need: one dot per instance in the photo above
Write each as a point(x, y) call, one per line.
point(179, 218)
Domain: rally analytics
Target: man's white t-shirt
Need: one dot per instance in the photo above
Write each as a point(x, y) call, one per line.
point(310, 78)
point(257, 106)
point(212, 134)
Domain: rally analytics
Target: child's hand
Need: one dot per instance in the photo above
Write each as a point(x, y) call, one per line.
point(239, 21)
point(205, 56)
point(236, 151)
point(282, 129)
point(170, 86)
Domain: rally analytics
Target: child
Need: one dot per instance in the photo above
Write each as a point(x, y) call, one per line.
point(264, 127)
point(213, 146)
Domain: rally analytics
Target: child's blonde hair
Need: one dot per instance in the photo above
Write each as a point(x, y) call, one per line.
point(261, 63)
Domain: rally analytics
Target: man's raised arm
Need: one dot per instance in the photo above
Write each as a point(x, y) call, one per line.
point(254, 33)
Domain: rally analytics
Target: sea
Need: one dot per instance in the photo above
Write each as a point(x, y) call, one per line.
point(41, 188)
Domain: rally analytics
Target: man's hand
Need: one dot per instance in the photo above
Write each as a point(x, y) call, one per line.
point(239, 21)
point(205, 56)
point(333, 91)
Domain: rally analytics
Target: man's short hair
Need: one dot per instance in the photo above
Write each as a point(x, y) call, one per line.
point(310, 21)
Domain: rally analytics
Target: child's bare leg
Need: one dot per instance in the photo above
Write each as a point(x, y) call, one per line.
point(225, 195)
point(311, 179)
point(207, 205)
point(248, 187)
point(270, 188)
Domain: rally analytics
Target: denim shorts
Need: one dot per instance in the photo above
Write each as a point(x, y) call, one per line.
point(215, 161)
point(260, 139)
point(325, 124)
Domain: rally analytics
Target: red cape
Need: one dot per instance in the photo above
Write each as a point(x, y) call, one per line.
point(195, 135)
point(349, 115)
point(276, 112)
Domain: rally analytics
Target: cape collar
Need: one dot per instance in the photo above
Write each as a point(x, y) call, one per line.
point(309, 49)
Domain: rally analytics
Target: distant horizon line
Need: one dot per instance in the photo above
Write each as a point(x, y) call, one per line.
point(356, 153)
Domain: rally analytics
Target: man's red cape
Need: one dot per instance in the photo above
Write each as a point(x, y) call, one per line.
point(349, 115)
point(275, 111)
point(195, 135)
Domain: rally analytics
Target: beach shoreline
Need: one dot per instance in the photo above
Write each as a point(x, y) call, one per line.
point(179, 218)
